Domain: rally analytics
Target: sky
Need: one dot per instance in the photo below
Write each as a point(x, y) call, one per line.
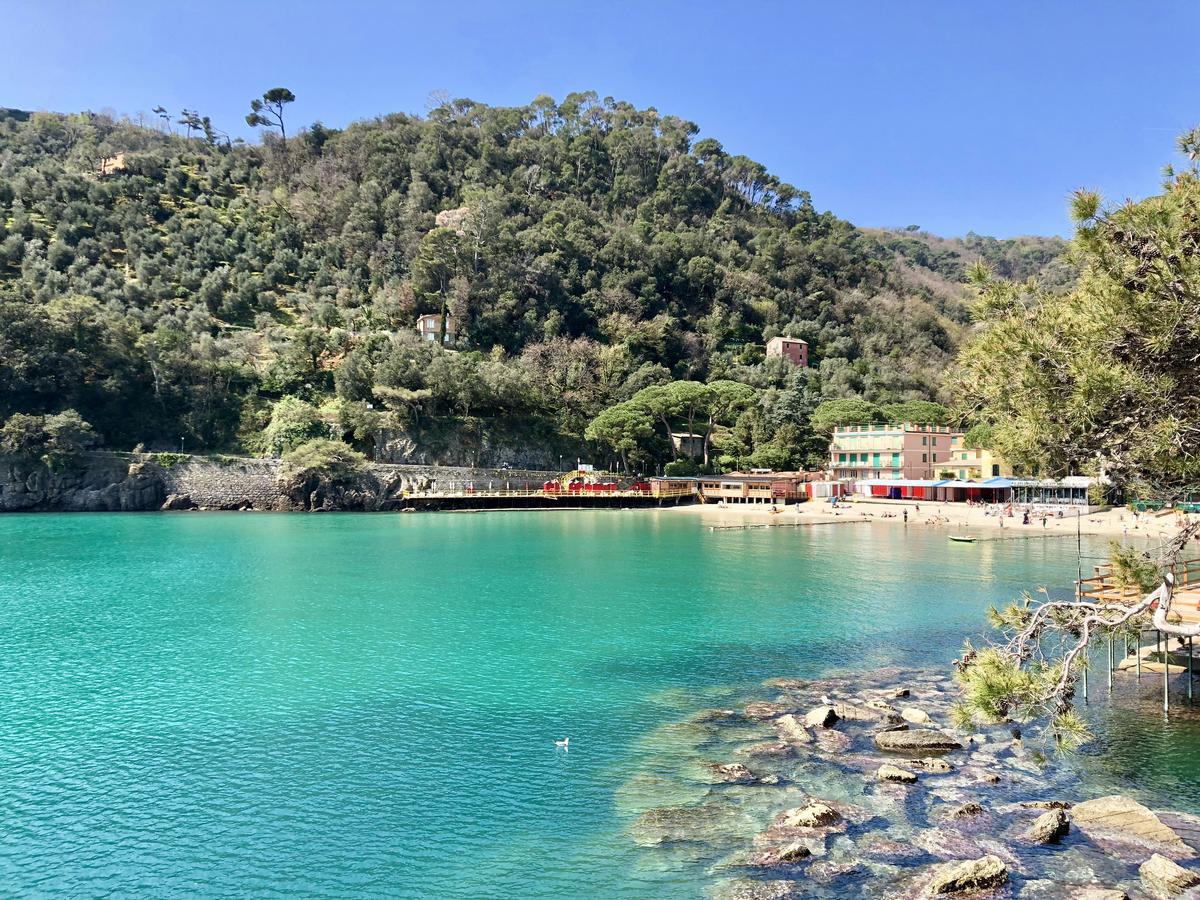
point(953, 116)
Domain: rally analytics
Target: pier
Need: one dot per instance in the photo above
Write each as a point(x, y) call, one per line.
point(1148, 650)
point(478, 499)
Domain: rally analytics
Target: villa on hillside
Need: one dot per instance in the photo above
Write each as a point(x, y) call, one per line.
point(792, 349)
point(430, 325)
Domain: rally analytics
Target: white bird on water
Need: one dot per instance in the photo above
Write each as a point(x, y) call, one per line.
point(565, 743)
point(826, 700)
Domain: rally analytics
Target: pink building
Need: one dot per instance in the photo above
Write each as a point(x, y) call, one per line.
point(792, 349)
point(907, 451)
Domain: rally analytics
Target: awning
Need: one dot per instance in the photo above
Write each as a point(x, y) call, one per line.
point(898, 482)
point(997, 483)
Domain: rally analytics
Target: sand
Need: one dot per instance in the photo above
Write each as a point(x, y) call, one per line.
point(953, 518)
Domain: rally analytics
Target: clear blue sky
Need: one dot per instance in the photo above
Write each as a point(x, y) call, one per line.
point(954, 116)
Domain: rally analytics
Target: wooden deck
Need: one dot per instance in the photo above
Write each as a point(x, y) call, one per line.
point(1185, 608)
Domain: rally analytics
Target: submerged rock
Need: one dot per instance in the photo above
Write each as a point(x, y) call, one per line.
point(733, 773)
point(968, 875)
point(965, 811)
point(888, 772)
point(1045, 804)
point(761, 709)
point(1049, 828)
point(814, 815)
point(792, 852)
point(669, 824)
point(1165, 878)
point(1119, 817)
point(915, 716)
point(919, 740)
point(748, 889)
point(931, 764)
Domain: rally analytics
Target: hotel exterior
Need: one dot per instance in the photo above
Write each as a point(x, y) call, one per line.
point(907, 451)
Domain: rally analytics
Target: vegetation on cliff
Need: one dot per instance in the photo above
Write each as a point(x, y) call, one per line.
point(179, 285)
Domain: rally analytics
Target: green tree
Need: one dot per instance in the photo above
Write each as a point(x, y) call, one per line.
point(625, 428)
point(832, 413)
point(293, 422)
point(922, 412)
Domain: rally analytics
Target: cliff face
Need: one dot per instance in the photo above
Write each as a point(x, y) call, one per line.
point(95, 483)
point(99, 482)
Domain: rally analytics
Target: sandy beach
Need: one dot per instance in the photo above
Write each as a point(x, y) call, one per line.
point(954, 518)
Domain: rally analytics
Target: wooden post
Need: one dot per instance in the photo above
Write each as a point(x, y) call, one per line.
point(1137, 653)
point(1189, 670)
point(1166, 671)
point(1110, 662)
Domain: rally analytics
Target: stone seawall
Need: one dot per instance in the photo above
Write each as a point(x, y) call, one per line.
point(129, 482)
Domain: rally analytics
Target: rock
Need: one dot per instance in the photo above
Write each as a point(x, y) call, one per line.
point(787, 853)
point(761, 709)
point(1099, 894)
point(821, 717)
point(791, 730)
point(733, 773)
point(920, 739)
point(965, 811)
point(832, 741)
point(815, 815)
point(747, 889)
point(915, 716)
point(668, 824)
point(1049, 827)
point(931, 764)
point(968, 875)
point(898, 693)
point(1122, 818)
point(778, 751)
point(178, 501)
point(1165, 878)
point(786, 684)
point(888, 772)
point(1045, 804)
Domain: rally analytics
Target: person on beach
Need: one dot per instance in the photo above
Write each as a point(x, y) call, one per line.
point(906, 517)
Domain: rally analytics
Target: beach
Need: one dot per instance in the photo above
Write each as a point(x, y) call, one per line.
point(954, 518)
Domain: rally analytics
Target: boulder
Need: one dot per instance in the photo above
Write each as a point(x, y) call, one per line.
point(792, 730)
point(178, 501)
point(888, 772)
point(814, 815)
point(914, 715)
point(779, 751)
point(1165, 878)
point(821, 717)
point(920, 740)
point(968, 875)
point(1123, 818)
point(1048, 828)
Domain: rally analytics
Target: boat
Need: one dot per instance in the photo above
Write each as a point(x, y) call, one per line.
point(962, 538)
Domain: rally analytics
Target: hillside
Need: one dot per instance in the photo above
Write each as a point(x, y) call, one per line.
point(172, 286)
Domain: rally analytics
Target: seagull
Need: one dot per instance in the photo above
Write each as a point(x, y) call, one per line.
point(565, 743)
point(826, 700)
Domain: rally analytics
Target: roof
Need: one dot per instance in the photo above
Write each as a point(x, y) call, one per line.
point(998, 483)
point(790, 340)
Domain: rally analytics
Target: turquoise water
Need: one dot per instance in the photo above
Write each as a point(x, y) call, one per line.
point(367, 704)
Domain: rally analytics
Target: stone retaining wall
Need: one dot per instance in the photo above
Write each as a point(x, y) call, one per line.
point(123, 481)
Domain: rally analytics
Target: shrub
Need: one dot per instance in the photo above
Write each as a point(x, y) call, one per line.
point(681, 468)
point(322, 458)
point(292, 423)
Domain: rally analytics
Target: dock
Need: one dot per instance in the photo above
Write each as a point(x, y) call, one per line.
point(505, 499)
point(1148, 650)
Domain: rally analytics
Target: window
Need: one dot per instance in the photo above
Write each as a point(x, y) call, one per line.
point(935, 457)
point(935, 440)
point(924, 442)
point(924, 457)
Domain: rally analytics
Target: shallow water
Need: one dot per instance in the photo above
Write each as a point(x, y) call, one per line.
point(367, 704)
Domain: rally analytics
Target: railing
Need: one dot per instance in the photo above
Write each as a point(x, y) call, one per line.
point(669, 493)
point(1187, 573)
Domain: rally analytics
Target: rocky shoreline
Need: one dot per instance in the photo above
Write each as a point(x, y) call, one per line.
point(860, 786)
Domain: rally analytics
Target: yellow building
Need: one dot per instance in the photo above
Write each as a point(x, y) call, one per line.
point(973, 464)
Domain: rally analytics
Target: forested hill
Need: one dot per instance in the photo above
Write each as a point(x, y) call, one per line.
point(169, 285)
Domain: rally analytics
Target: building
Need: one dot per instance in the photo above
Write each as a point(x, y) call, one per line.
point(757, 487)
point(429, 326)
point(908, 451)
point(974, 464)
point(688, 444)
point(792, 349)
